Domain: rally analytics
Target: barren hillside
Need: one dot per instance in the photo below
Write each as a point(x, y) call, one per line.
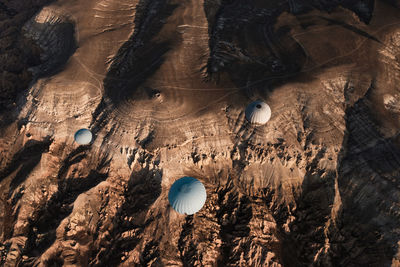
point(163, 86)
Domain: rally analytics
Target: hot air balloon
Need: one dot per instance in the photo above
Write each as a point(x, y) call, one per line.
point(258, 112)
point(187, 195)
point(83, 136)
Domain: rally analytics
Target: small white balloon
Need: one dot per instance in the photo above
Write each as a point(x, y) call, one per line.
point(258, 112)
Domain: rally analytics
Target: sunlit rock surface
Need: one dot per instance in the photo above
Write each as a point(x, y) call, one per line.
point(163, 86)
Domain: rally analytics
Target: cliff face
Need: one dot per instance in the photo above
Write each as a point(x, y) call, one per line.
point(17, 54)
point(163, 86)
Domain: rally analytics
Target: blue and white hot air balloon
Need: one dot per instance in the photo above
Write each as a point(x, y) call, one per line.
point(83, 136)
point(187, 195)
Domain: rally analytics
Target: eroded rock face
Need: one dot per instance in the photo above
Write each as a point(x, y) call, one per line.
point(163, 86)
point(55, 35)
point(17, 54)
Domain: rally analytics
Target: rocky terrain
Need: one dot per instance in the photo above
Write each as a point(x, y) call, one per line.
point(163, 86)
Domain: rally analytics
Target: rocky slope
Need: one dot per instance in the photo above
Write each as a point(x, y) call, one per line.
point(17, 54)
point(163, 86)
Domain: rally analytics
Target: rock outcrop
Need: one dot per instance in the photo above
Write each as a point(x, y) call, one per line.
point(163, 86)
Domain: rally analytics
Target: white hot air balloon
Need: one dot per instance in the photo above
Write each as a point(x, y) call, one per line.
point(258, 113)
point(83, 136)
point(187, 195)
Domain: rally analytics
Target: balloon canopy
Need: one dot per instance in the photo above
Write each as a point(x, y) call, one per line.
point(187, 195)
point(258, 112)
point(83, 136)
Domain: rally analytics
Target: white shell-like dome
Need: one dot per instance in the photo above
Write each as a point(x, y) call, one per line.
point(83, 136)
point(187, 195)
point(258, 112)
